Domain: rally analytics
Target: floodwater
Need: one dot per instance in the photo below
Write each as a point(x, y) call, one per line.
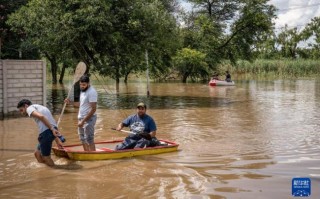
point(247, 141)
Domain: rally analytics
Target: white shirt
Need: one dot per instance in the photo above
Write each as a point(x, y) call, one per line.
point(90, 95)
point(44, 111)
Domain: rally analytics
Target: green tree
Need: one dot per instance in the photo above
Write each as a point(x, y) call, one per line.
point(140, 26)
point(41, 21)
point(269, 48)
point(219, 11)
point(160, 35)
point(191, 63)
point(312, 30)
point(289, 40)
point(230, 29)
point(110, 36)
point(248, 30)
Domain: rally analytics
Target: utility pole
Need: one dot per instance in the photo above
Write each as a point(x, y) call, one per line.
point(0, 47)
point(148, 93)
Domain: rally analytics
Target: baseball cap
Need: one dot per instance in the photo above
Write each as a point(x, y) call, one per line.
point(141, 104)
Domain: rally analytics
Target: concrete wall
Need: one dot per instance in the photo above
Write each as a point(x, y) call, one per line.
point(21, 79)
point(1, 89)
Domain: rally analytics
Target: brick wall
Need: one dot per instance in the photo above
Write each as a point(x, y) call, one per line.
point(21, 79)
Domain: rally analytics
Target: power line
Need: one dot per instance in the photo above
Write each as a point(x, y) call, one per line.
point(300, 7)
point(296, 26)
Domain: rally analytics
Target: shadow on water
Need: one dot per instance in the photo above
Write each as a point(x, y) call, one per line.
point(71, 166)
point(161, 102)
point(186, 96)
point(17, 150)
point(55, 97)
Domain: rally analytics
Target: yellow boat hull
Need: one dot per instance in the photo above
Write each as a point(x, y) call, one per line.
point(105, 151)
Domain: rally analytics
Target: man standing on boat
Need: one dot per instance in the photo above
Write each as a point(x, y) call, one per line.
point(47, 126)
point(144, 128)
point(87, 113)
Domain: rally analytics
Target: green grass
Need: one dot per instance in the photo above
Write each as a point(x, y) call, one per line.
point(283, 68)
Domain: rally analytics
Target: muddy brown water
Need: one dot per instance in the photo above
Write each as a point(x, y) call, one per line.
point(247, 141)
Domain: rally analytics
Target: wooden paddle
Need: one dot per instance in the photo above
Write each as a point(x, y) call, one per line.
point(144, 135)
point(80, 70)
point(130, 132)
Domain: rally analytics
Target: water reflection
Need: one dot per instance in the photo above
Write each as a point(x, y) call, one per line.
point(55, 97)
point(246, 141)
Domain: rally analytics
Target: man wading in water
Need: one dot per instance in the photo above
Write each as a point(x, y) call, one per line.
point(47, 126)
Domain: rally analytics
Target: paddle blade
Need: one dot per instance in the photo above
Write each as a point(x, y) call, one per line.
point(80, 70)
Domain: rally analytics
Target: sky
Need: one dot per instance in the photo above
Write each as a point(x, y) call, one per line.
point(294, 13)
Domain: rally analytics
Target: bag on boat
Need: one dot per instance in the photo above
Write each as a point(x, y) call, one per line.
point(137, 141)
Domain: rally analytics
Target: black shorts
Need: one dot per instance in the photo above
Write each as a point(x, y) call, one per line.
point(45, 142)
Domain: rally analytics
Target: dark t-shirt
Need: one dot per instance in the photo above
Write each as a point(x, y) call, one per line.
point(139, 125)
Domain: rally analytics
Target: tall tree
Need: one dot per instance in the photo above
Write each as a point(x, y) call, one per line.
point(41, 21)
point(248, 29)
point(191, 64)
point(267, 49)
point(110, 35)
point(230, 29)
point(289, 40)
point(312, 30)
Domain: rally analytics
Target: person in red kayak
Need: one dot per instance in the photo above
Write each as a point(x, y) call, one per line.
point(215, 76)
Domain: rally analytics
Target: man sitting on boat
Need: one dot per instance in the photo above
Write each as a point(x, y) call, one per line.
point(228, 77)
point(144, 128)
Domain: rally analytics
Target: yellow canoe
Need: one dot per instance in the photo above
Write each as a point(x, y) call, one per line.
point(105, 151)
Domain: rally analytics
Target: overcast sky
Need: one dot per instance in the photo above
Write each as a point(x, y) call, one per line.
point(295, 13)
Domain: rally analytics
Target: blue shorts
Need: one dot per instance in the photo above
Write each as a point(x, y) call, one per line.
point(45, 142)
point(86, 133)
